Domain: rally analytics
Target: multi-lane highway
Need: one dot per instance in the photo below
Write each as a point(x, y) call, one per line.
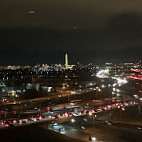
point(82, 117)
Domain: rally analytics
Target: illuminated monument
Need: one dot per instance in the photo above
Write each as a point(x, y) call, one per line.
point(66, 61)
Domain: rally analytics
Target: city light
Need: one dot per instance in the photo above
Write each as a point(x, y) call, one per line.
point(71, 70)
point(72, 120)
point(122, 81)
point(103, 74)
point(90, 113)
point(99, 90)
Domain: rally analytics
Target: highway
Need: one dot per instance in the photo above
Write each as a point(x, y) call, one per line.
point(83, 119)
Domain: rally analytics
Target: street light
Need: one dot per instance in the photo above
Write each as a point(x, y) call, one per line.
point(99, 90)
point(72, 120)
point(91, 114)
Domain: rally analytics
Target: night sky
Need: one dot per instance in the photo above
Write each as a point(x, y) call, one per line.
point(42, 31)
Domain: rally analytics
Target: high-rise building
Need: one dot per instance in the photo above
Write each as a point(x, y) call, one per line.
point(3, 92)
point(66, 61)
point(3, 89)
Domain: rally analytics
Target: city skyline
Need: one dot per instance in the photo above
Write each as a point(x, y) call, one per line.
point(71, 70)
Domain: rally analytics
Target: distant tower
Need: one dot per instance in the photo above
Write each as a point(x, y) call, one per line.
point(66, 61)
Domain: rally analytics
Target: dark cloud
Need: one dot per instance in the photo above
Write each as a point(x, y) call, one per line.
point(63, 14)
point(89, 30)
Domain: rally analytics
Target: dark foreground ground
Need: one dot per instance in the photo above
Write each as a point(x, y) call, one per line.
point(32, 134)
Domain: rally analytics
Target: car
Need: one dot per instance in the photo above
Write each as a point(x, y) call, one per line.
point(62, 130)
point(9, 125)
point(82, 127)
point(139, 128)
point(108, 122)
point(32, 119)
point(92, 138)
point(85, 119)
point(59, 115)
point(40, 117)
point(22, 122)
point(26, 120)
point(37, 119)
point(53, 116)
point(15, 121)
point(72, 120)
point(5, 121)
point(55, 124)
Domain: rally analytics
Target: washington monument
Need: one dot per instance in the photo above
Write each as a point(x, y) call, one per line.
point(66, 61)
